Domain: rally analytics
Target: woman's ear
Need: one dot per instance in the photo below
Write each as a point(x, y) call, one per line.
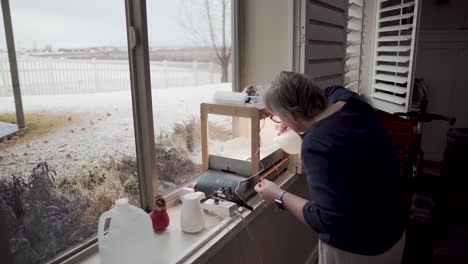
point(289, 116)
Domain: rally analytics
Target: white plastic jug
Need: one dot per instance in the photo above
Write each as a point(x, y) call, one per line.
point(130, 237)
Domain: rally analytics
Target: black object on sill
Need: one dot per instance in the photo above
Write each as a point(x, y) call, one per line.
point(211, 181)
point(221, 185)
point(227, 194)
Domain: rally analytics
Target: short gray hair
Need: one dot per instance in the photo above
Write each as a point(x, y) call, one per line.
point(295, 93)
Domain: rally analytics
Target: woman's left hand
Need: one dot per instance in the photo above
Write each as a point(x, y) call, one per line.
point(268, 190)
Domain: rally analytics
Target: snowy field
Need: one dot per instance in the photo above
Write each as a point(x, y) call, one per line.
point(101, 125)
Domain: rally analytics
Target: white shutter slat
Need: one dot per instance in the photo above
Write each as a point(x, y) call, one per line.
point(354, 24)
point(391, 78)
point(390, 8)
point(351, 67)
point(351, 73)
point(348, 80)
point(355, 11)
point(352, 60)
point(394, 48)
point(349, 56)
point(356, 2)
point(354, 43)
point(354, 37)
point(392, 84)
point(394, 38)
point(390, 98)
point(390, 88)
point(351, 85)
point(395, 28)
point(399, 17)
point(353, 50)
point(388, 68)
point(393, 58)
point(387, 106)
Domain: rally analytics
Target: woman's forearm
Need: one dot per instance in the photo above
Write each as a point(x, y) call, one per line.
point(295, 204)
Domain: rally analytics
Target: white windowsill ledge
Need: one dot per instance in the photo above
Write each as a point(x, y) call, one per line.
point(175, 246)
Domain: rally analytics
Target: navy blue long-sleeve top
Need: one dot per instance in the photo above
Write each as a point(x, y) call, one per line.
point(353, 179)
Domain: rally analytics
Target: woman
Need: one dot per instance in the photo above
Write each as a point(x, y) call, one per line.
point(352, 172)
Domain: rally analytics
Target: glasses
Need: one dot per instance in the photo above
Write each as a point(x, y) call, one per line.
point(275, 119)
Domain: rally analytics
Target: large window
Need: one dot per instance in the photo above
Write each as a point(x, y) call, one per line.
point(78, 153)
point(190, 59)
point(76, 156)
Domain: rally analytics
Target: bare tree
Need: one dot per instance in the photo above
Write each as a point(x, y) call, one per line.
point(211, 26)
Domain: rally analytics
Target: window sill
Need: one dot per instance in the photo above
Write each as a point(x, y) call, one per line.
point(175, 246)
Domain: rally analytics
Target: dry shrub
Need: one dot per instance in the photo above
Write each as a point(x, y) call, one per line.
point(174, 164)
point(105, 194)
point(45, 214)
point(187, 134)
point(101, 187)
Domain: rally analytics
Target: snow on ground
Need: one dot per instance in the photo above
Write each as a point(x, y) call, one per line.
point(105, 126)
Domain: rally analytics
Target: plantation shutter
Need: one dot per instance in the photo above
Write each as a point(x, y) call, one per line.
point(353, 44)
point(324, 40)
point(394, 52)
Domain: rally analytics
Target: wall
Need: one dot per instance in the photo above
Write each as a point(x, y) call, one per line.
point(273, 237)
point(442, 60)
point(265, 39)
point(450, 16)
point(265, 44)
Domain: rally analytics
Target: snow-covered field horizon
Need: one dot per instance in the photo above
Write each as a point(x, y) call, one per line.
point(101, 125)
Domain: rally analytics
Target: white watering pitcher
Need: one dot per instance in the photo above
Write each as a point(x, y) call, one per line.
point(130, 237)
point(192, 217)
point(289, 141)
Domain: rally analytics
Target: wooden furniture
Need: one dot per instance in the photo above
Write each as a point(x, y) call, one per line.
point(255, 113)
point(400, 131)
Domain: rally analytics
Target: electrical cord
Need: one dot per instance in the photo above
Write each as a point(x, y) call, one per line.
point(260, 171)
point(251, 177)
point(226, 194)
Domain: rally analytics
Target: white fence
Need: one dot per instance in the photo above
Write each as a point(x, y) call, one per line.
point(69, 76)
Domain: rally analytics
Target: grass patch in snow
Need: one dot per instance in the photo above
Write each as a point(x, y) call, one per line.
point(37, 125)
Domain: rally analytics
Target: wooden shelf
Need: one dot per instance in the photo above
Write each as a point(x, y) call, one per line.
point(255, 112)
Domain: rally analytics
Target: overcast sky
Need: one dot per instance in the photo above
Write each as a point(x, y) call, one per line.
point(85, 23)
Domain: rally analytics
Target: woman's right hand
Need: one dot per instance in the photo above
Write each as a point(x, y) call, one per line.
point(281, 128)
